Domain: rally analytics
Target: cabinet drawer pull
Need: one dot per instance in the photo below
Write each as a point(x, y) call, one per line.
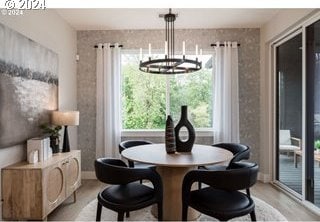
point(65, 162)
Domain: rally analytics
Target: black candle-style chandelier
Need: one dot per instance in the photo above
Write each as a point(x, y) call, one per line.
point(170, 64)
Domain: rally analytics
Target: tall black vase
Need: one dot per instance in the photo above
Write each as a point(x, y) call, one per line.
point(184, 146)
point(170, 136)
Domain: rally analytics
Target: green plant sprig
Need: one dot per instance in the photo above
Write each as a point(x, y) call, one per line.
point(317, 144)
point(50, 129)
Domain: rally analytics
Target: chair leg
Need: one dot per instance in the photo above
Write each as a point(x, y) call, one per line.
point(127, 214)
point(99, 208)
point(120, 216)
point(248, 192)
point(160, 213)
point(199, 186)
point(253, 216)
point(184, 212)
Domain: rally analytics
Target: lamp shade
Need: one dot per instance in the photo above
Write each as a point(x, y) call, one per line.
point(65, 118)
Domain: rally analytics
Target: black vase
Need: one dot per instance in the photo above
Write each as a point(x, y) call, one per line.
point(54, 144)
point(170, 136)
point(184, 146)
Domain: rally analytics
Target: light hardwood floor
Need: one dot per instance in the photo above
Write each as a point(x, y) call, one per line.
point(292, 210)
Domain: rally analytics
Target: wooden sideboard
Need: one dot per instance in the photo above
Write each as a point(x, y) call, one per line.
point(32, 191)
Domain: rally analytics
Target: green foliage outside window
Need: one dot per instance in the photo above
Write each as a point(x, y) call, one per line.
point(317, 144)
point(144, 96)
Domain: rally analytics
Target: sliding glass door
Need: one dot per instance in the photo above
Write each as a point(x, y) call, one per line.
point(313, 113)
point(297, 119)
point(289, 111)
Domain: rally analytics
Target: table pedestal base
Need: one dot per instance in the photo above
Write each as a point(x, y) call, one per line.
point(172, 178)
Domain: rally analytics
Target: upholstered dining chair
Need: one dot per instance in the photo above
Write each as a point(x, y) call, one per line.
point(222, 199)
point(126, 194)
point(131, 143)
point(239, 151)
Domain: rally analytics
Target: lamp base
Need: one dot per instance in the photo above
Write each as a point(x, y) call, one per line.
point(66, 145)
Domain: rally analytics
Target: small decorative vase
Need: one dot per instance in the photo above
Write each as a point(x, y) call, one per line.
point(170, 136)
point(54, 144)
point(184, 146)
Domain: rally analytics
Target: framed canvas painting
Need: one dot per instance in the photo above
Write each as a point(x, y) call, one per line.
point(28, 87)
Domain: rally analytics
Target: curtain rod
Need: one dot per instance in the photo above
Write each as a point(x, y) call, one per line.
point(111, 46)
point(222, 44)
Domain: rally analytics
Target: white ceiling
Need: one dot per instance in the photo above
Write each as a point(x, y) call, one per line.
point(112, 19)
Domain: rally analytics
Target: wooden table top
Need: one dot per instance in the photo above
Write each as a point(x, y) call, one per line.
point(156, 154)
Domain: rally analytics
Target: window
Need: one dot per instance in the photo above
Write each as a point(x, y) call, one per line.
point(147, 98)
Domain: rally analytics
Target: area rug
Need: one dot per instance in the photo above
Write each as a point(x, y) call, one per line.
point(264, 212)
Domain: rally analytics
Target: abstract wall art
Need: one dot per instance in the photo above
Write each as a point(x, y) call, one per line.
point(28, 86)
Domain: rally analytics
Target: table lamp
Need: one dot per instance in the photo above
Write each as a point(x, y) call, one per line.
point(65, 118)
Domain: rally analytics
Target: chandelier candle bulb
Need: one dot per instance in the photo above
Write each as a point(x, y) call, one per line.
point(149, 50)
point(196, 50)
point(165, 48)
point(200, 52)
point(140, 57)
point(183, 48)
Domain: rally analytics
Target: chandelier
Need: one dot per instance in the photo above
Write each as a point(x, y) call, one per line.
point(170, 64)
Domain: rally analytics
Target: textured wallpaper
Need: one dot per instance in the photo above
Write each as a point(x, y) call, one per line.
point(249, 68)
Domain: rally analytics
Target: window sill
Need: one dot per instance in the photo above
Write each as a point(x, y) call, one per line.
point(160, 133)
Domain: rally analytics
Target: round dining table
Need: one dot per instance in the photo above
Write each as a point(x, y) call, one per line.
point(172, 169)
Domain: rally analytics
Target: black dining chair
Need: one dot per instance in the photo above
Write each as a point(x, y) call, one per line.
point(222, 199)
point(126, 194)
point(131, 143)
point(239, 151)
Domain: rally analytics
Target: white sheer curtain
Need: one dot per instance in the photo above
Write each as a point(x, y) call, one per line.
point(108, 124)
point(226, 95)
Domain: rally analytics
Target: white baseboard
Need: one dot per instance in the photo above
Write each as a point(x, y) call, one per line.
point(88, 175)
point(265, 178)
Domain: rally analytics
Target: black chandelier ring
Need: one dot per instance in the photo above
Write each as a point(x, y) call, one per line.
point(170, 66)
